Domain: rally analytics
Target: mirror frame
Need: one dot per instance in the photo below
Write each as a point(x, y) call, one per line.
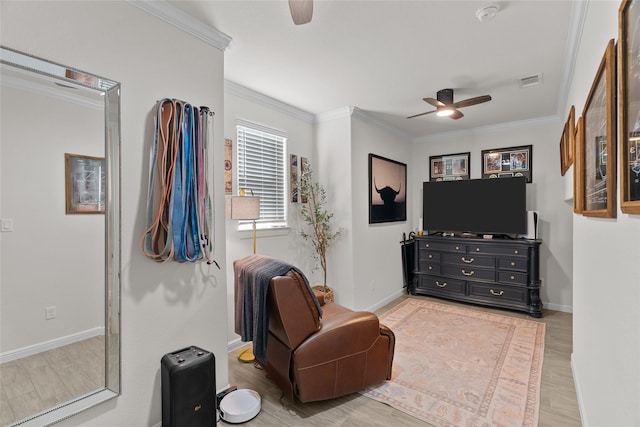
point(110, 91)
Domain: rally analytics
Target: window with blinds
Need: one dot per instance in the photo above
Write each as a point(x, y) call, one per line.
point(261, 169)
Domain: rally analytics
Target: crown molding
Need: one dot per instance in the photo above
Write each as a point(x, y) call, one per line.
point(267, 101)
point(576, 25)
point(176, 17)
point(492, 128)
point(367, 117)
point(338, 113)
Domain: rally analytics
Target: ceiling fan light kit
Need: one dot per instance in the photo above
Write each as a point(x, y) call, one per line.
point(445, 107)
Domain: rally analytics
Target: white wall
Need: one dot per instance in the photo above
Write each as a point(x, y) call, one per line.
point(545, 194)
point(165, 307)
point(377, 259)
point(37, 131)
point(606, 319)
point(286, 244)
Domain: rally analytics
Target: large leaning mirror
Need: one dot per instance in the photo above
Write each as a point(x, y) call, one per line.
point(59, 267)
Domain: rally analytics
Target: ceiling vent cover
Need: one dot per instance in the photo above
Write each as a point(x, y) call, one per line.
point(528, 81)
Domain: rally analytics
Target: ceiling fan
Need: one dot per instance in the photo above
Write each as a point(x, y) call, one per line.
point(446, 107)
point(301, 11)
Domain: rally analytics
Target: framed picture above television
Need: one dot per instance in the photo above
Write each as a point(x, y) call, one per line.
point(387, 190)
point(449, 167)
point(508, 162)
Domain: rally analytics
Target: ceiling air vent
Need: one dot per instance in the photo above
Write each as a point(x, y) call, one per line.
point(528, 81)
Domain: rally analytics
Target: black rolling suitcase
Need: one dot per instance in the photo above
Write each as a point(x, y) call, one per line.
point(188, 380)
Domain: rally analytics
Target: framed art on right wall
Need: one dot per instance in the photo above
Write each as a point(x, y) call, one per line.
point(629, 67)
point(598, 145)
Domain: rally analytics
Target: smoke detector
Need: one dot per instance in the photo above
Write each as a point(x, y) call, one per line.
point(487, 12)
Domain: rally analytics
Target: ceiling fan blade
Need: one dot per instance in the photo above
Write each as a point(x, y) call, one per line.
point(456, 115)
point(422, 114)
point(301, 11)
point(472, 101)
point(433, 102)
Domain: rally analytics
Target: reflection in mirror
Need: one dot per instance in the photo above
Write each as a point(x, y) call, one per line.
point(59, 272)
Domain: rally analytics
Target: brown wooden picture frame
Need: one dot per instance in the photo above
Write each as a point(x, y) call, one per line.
point(578, 176)
point(598, 141)
point(567, 142)
point(450, 167)
point(85, 184)
point(629, 92)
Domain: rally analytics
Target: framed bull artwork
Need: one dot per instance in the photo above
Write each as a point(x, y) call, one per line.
point(387, 190)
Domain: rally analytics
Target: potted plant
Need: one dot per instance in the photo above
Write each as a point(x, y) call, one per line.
point(319, 230)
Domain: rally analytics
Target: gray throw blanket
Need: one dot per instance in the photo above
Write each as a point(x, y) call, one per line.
point(252, 276)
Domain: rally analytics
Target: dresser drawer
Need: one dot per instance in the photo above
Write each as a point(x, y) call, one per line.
point(518, 264)
point(468, 272)
point(498, 293)
point(469, 259)
point(479, 248)
point(443, 246)
point(512, 277)
point(429, 267)
point(440, 284)
point(429, 256)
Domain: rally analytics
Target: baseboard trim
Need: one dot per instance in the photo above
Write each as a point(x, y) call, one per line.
point(385, 301)
point(558, 307)
point(576, 382)
point(50, 345)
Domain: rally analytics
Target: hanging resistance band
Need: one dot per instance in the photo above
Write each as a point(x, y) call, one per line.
point(179, 209)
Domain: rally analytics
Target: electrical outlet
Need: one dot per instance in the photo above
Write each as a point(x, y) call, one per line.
point(50, 312)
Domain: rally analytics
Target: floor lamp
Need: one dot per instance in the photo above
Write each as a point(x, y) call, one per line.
point(244, 208)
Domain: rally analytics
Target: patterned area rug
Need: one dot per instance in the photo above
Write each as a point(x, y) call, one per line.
point(455, 366)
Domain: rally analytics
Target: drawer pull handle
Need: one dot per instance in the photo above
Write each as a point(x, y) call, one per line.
point(467, 261)
point(470, 273)
point(477, 249)
point(427, 245)
point(497, 294)
point(441, 285)
point(516, 252)
point(513, 277)
point(430, 256)
point(430, 268)
point(513, 264)
point(457, 247)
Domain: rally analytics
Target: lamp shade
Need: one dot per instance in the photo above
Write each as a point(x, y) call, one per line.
point(242, 207)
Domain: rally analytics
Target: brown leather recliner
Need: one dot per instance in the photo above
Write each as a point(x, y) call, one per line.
point(317, 358)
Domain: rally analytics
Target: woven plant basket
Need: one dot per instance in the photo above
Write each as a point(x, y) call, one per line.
point(327, 291)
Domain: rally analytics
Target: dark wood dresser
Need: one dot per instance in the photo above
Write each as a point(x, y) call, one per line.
point(501, 273)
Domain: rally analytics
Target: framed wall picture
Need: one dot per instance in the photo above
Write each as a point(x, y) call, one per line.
point(449, 167)
point(508, 162)
point(629, 68)
point(293, 176)
point(567, 143)
point(598, 145)
point(578, 174)
point(387, 190)
point(85, 184)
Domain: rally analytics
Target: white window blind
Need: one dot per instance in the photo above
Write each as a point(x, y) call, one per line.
point(261, 169)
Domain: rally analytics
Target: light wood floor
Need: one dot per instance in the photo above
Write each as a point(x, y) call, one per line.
point(38, 382)
point(558, 402)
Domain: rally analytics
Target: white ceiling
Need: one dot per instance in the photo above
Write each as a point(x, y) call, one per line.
point(385, 56)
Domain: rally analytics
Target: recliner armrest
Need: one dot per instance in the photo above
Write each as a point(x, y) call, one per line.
point(340, 335)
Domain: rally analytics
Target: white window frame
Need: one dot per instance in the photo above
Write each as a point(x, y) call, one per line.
point(253, 175)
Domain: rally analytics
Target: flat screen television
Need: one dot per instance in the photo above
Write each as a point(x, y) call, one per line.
point(478, 206)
